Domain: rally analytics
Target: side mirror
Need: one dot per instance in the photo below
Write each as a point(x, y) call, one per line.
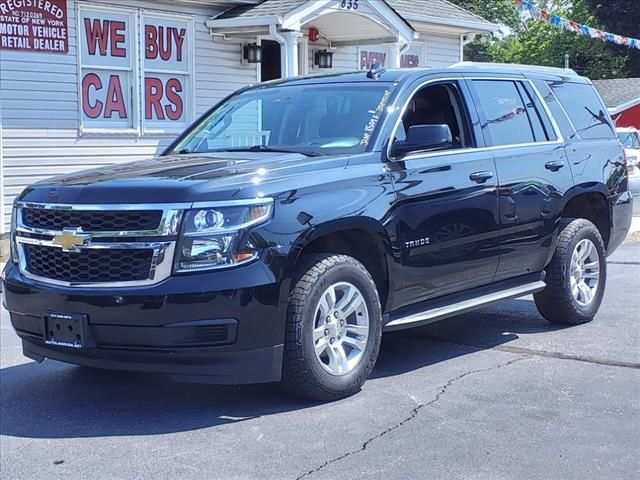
point(423, 138)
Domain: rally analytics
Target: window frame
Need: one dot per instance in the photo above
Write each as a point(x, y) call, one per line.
point(137, 71)
point(189, 100)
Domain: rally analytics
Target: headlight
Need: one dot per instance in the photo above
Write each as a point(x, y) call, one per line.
point(210, 236)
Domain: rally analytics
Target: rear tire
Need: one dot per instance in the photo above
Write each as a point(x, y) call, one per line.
point(334, 327)
point(576, 275)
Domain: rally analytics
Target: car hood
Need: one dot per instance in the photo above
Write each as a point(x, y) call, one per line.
point(181, 178)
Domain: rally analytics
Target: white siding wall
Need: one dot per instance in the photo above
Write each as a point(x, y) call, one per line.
point(39, 97)
point(442, 50)
point(345, 59)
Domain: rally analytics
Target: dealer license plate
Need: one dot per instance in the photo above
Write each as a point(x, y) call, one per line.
point(65, 329)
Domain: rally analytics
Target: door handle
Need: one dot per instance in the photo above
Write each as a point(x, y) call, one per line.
point(480, 177)
point(554, 165)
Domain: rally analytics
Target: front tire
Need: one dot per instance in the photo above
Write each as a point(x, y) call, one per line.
point(576, 275)
point(334, 327)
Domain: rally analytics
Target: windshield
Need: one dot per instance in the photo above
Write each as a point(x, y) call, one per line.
point(310, 119)
point(629, 139)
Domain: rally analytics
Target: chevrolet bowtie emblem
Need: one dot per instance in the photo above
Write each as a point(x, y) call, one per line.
point(71, 239)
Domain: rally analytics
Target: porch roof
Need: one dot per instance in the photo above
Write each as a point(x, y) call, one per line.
point(439, 12)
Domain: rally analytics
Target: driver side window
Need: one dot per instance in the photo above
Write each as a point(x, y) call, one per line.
point(437, 105)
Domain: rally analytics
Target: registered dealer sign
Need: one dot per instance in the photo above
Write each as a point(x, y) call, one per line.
point(34, 25)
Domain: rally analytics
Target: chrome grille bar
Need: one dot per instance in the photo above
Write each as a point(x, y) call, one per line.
point(161, 240)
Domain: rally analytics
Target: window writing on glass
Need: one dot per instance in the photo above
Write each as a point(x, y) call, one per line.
point(507, 117)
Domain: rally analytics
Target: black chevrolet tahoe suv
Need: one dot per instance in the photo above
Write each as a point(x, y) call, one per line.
point(298, 220)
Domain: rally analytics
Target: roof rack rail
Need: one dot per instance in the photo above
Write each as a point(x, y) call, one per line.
point(519, 66)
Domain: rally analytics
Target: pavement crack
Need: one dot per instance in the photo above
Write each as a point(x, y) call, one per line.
point(542, 353)
point(567, 356)
point(412, 415)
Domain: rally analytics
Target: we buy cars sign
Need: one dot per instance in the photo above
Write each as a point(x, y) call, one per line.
point(113, 77)
point(34, 25)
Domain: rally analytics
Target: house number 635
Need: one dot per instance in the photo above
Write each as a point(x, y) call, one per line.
point(349, 4)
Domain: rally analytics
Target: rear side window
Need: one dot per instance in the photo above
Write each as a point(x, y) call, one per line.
point(584, 108)
point(508, 115)
point(556, 110)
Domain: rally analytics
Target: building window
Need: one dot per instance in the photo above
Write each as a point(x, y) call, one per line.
point(136, 71)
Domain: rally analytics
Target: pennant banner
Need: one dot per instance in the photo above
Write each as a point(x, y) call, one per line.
point(556, 21)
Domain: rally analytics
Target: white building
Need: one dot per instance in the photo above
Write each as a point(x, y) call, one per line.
point(85, 83)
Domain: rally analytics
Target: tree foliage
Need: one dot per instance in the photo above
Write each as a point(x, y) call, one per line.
point(532, 41)
point(621, 17)
point(497, 11)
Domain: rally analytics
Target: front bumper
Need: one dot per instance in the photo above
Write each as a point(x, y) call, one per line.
point(219, 327)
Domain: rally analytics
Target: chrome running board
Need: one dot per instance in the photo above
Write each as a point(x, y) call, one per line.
point(439, 309)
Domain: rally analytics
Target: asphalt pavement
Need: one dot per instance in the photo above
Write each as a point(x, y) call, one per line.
point(494, 394)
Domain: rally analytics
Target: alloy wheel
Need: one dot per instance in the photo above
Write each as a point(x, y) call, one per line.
point(341, 328)
point(585, 272)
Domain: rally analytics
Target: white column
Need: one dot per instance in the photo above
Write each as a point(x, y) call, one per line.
point(394, 56)
point(290, 53)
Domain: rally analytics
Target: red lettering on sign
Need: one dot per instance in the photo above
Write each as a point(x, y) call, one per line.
point(96, 34)
point(174, 87)
point(91, 80)
point(160, 41)
point(369, 58)
point(151, 42)
point(115, 99)
point(164, 43)
point(117, 37)
point(153, 98)
point(409, 61)
point(179, 39)
point(105, 33)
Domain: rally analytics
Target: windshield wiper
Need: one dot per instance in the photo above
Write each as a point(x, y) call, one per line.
point(265, 148)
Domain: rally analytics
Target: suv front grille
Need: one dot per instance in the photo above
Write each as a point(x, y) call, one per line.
point(96, 245)
point(89, 265)
point(92, 221)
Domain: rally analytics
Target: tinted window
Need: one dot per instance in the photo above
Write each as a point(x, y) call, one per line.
point(332, 119)
point(586, 111)
point(629, 139)
point(555, 108)
point(507, 118)
point(534, 117)
point(437, 105)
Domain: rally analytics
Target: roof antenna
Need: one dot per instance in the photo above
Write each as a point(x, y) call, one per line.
point(375, 71)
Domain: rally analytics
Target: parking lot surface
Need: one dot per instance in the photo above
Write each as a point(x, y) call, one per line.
point(494, 394)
